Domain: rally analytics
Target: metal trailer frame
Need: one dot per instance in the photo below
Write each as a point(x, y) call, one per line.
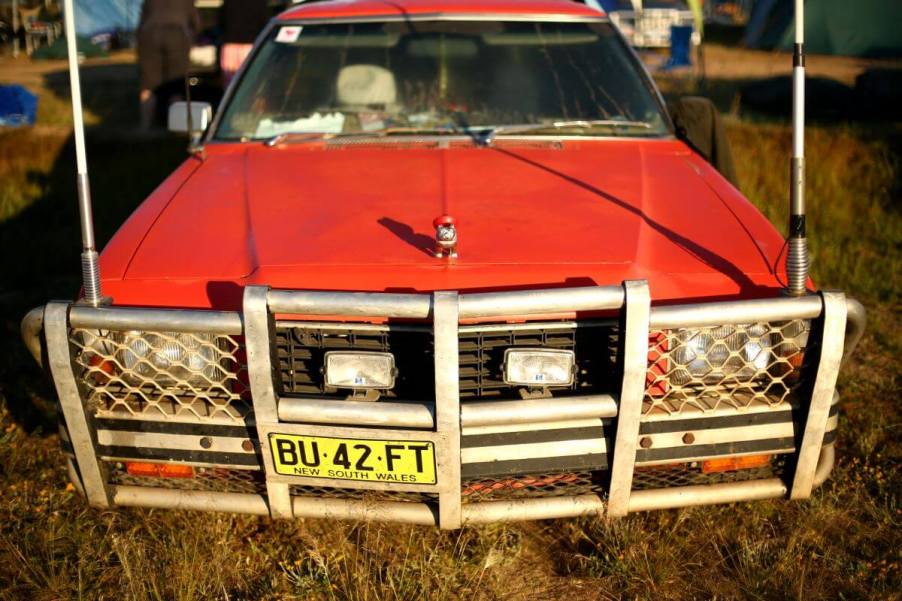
point(841, 324)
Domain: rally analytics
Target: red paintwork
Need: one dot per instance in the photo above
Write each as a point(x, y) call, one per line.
point(528, 214)
point(381, 8)
point(443, 220)
point(358, 218)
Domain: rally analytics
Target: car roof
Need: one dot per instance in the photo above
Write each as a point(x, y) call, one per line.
point(350, 9)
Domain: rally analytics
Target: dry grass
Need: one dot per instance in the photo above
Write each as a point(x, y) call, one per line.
point(843, 543)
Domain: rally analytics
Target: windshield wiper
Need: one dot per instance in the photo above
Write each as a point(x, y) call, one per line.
point(482, 135)
point(382, 133)
point(307, 136)
point(525, 128)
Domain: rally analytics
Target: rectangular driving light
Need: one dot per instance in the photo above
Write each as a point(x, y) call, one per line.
point(359, 371)
point(539, 367)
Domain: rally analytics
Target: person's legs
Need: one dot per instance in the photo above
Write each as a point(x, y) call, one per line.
point(148, 108)
point(176, 48)
point(150, 67)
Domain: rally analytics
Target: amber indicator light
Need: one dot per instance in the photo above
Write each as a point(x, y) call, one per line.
point(158, 470)
point(731, 464)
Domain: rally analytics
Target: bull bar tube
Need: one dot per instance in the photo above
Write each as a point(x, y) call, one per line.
point(841, 322)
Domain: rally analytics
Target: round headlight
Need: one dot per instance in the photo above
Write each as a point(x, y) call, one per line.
point(691, 356)
point(757, 350)
point(169, 359)
point(736, 352)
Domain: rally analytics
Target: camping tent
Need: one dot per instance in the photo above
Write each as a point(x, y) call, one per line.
point(94, 16)
point(861, 28)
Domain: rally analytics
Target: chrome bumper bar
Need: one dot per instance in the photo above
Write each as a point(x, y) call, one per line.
point(441, 422)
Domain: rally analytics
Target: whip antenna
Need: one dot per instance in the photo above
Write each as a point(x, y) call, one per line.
point(90, 268)
point(797, 259)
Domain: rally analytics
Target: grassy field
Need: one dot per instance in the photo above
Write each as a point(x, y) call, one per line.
point(843, 543)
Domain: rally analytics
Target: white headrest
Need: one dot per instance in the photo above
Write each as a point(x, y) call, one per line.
point(363, 85)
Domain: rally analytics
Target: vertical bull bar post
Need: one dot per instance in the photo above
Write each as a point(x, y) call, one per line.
point(81, 434)
point(831, 352)
point(637, 307)
point(257, 336)
point(446, 312)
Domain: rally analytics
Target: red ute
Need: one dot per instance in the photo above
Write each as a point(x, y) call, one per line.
point(445, 262)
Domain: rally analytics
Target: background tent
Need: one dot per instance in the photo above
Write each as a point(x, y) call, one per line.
point(866, 28)
point(95, 16)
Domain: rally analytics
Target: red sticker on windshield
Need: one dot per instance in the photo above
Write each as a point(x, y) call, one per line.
point(289, 34)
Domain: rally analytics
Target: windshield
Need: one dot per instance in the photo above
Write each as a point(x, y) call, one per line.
point(443, 77)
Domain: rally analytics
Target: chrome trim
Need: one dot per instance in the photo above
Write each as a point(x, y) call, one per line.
point(216, 420)
point(350, 304)
point(573, 447)
point(194, 500)
point(81, 434)
point(357, 327)
point(497, 413)
point(822, 394)
point(167, 441)
point(345, 509)
point(509, 428)
point(31, 327)
point(164, 320)
point(538, 302)
point(632, 393)
point(532, 509)
point(734, 312)
point(520, 327)
point(357, 413)
point(710, 494)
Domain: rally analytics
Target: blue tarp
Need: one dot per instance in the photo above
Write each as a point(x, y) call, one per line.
point(96, 16)
point(18, 106)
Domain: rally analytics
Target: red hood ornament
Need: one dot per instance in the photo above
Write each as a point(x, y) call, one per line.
point(445, 237)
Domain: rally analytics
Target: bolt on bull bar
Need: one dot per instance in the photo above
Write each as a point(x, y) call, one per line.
point(841, 323)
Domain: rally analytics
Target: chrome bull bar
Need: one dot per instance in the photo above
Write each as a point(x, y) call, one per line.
point(442, 421)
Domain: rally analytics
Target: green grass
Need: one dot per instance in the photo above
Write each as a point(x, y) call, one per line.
point(843, 543)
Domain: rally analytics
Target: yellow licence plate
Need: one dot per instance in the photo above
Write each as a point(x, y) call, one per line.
point(402, 462)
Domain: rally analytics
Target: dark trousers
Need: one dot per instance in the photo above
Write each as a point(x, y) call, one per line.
point(163, 54)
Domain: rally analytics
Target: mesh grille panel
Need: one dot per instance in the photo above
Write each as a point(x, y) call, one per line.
point(165, 374)
point(735, 366)
point(691, 474)
point(542, 485)
point(330, 492)
point(212, 479)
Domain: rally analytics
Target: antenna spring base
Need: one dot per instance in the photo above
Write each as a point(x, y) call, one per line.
point(798, 264)
point(90, 274)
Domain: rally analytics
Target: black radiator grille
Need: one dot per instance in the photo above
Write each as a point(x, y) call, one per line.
point(300, 351)
point(482, 356)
